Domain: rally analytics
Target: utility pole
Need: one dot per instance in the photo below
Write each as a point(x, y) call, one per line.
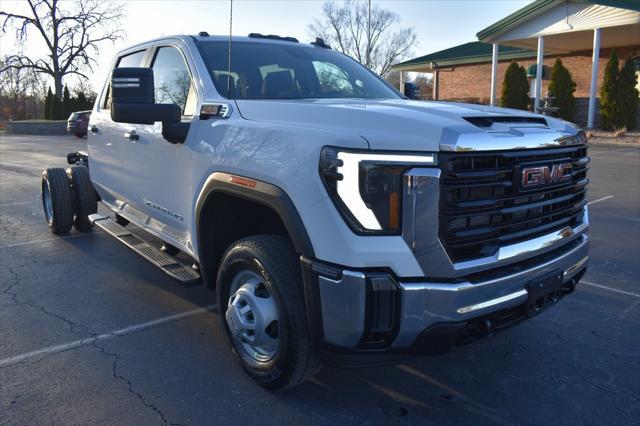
point(368, 59)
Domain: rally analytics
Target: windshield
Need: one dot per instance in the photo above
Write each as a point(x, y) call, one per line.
point(280, 71)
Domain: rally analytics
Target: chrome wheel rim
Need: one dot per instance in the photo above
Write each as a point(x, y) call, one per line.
point(252, 317)
point(46, 201)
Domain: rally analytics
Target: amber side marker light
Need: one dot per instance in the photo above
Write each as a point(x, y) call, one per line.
point(242, 181)
point(394, 211)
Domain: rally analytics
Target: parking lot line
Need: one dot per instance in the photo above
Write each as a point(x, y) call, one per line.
point(615, 290)
point(22, 165)
point(599, 200)
point(105, 336)
point(26, 243)
point(20, 203)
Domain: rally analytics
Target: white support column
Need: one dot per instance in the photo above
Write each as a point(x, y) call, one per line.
point(401, 88)
point(595, 59)
point(539, 69)
point(494, 73)
point(435, 85)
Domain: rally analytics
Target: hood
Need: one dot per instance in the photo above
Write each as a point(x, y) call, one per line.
point(399, 124)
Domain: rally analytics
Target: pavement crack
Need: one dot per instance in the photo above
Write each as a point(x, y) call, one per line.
point(551, 374)
point(615, 394)
point(577, 343)
point(130, 388)
point(73, 326)
point(624, 313)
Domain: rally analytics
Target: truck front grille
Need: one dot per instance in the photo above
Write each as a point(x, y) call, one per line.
point(482, 206)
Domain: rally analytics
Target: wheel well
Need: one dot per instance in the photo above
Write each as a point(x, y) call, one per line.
point(226, 218)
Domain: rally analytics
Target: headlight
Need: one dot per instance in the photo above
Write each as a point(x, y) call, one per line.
point(366, 186)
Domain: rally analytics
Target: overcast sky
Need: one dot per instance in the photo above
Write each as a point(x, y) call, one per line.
point(439, 23)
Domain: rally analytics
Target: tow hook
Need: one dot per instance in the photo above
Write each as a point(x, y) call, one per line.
point(569, 286)
point(481, 328)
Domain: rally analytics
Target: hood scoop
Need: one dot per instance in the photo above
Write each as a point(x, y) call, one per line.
point(486, 122)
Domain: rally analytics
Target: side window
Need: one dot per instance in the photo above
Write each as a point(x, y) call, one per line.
point(131, 60)
point(172, 80)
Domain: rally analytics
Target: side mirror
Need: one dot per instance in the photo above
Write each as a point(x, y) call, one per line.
point(132, 98)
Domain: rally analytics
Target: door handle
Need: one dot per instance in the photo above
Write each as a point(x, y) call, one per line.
point(132, 135)
point(94, 129)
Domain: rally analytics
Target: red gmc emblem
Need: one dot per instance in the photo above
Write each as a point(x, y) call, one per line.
point(533, 177)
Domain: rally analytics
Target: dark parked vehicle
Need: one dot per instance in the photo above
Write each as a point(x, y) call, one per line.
point(78, 122)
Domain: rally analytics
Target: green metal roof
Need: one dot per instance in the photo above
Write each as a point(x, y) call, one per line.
point(468, 53)
point(538, 6)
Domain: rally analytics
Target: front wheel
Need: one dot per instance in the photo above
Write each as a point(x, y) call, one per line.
point(262, 311)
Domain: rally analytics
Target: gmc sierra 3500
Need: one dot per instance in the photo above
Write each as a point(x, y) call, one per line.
point(339, 222)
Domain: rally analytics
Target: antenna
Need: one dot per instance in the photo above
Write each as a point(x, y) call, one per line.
point(229, 59)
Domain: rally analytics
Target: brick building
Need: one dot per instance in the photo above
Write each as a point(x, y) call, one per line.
point(581, 33)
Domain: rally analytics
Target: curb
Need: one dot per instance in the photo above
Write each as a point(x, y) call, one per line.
point(630, 144)
point(58, 127)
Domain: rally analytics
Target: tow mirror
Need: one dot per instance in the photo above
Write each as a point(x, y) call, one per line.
point(132, 98)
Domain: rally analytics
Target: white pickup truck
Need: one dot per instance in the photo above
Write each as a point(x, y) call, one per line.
point(339, 222)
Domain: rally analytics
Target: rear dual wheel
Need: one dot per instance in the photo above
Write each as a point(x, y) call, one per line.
point(57, 200)
point(68, 198)
point(86, 202)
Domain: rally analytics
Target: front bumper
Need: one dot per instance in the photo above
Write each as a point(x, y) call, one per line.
point(366, 317)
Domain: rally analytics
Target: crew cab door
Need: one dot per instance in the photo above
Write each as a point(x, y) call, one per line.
point(158, 171)
point(107, 145)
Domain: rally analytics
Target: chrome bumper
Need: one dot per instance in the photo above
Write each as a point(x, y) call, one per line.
point(428, 303)
point(423, 304)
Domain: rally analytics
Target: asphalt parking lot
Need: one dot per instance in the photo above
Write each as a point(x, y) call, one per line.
point(92, 333)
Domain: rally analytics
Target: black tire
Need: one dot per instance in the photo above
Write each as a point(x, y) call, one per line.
point(273, 259)
point(121, 220)
point(80, 135)
point(86, 202)
point(57, 200)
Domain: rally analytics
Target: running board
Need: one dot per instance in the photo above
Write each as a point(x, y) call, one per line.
point(162, 260)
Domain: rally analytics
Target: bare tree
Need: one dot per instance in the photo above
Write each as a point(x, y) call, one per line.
point(71, 36)
point(84, 88)
point(21, 93)
point(425, 85)
point(393, 78)
point(364, 32)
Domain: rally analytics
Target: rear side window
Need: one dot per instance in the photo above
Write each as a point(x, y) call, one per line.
point(131, 60)
point(172, 81)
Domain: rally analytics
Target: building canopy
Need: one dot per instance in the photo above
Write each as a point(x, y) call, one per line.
point(567, 26)
point(468, 53)
point(550, 27)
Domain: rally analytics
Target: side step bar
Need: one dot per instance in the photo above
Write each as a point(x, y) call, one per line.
point(162, 260)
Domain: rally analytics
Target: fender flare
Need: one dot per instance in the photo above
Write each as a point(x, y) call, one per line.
point(275, 198)
point(259, 192)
